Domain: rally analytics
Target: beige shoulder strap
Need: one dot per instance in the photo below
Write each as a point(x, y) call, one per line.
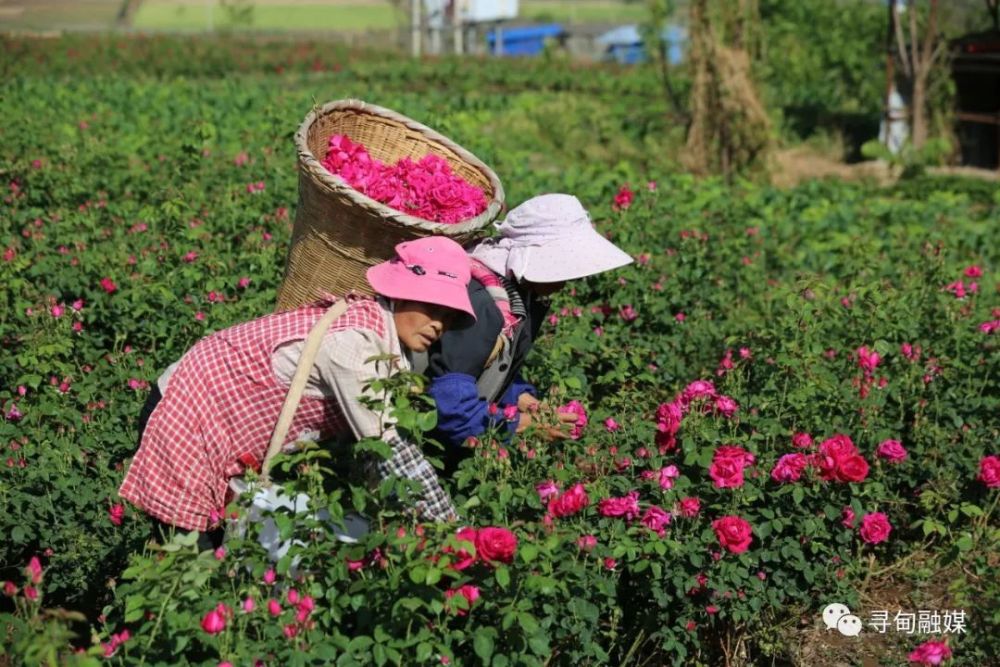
point(298, 385)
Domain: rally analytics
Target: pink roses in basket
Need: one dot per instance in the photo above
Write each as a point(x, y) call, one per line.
point(427, 188)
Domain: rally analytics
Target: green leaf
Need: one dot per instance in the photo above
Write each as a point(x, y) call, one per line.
point(503, 576)
point(539, 645)
point(424, 650)
point(528, 622)
point(482, 644)
point(418, 575)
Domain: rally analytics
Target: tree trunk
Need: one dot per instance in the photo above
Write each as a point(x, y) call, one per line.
point(922, 57)
point(698, 142)
point(919, 107)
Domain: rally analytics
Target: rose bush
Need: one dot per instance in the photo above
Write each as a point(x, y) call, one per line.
point(742, 382)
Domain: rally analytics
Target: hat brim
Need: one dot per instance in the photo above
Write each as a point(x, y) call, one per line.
point(395, 281)
point(587, 255)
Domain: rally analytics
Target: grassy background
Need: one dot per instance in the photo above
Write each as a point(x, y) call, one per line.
point(334, 15)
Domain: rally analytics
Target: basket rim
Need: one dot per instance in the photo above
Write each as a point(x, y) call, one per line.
point(309, 162)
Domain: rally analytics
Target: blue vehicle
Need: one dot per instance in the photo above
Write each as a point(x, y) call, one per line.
point(523, 41)
point(624, 44)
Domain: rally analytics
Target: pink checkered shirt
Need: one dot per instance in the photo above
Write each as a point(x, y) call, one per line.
point(223, 399)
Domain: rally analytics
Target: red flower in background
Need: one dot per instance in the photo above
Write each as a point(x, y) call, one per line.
point(624, 198)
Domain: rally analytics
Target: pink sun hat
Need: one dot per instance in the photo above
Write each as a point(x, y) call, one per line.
point(433, 269)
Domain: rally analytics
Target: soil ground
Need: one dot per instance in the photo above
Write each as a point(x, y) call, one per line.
point(791, 166)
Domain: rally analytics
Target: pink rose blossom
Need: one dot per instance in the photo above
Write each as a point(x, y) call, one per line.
point(496, 544)
point(467, 592)
point(789, 468)
point(656, 519)
point(930, 653)
point(667, 476)
point(213, 622)
point(463, 556)
point(34, 570)
point(269, 577)
point(116, 514)
point(273, 607)
point(875, 528)
point(586, 542)
point(626, 507)
point(726, 473)
point(989, 471)
point(726, 406)
point(957, 288)
point(575, 407)
point(546, 489)
point(611, 425)
point(847, 517)
point(697, 390)
point(571, 502)
point(891, 450)
point(973, 271)
point(624, 198)
point(689, 507)
point(990, 327)
point(868, 360)
point(802, 440)
point(838, 460)
point(733, 533)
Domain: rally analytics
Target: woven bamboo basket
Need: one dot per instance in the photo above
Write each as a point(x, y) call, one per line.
point(339, 233)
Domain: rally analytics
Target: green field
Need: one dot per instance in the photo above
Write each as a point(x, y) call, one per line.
point(83, 15)
point(170, 15)
point(269, 16)
point(339, 15)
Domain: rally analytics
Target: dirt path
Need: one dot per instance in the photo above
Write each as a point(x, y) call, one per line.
point(791, 166)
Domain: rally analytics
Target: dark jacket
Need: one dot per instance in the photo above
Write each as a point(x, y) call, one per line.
point(459, 358)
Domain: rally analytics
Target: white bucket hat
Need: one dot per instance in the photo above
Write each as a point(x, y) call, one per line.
point(549, 239)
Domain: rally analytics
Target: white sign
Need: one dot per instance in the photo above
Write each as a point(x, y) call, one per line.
point(484, 11)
